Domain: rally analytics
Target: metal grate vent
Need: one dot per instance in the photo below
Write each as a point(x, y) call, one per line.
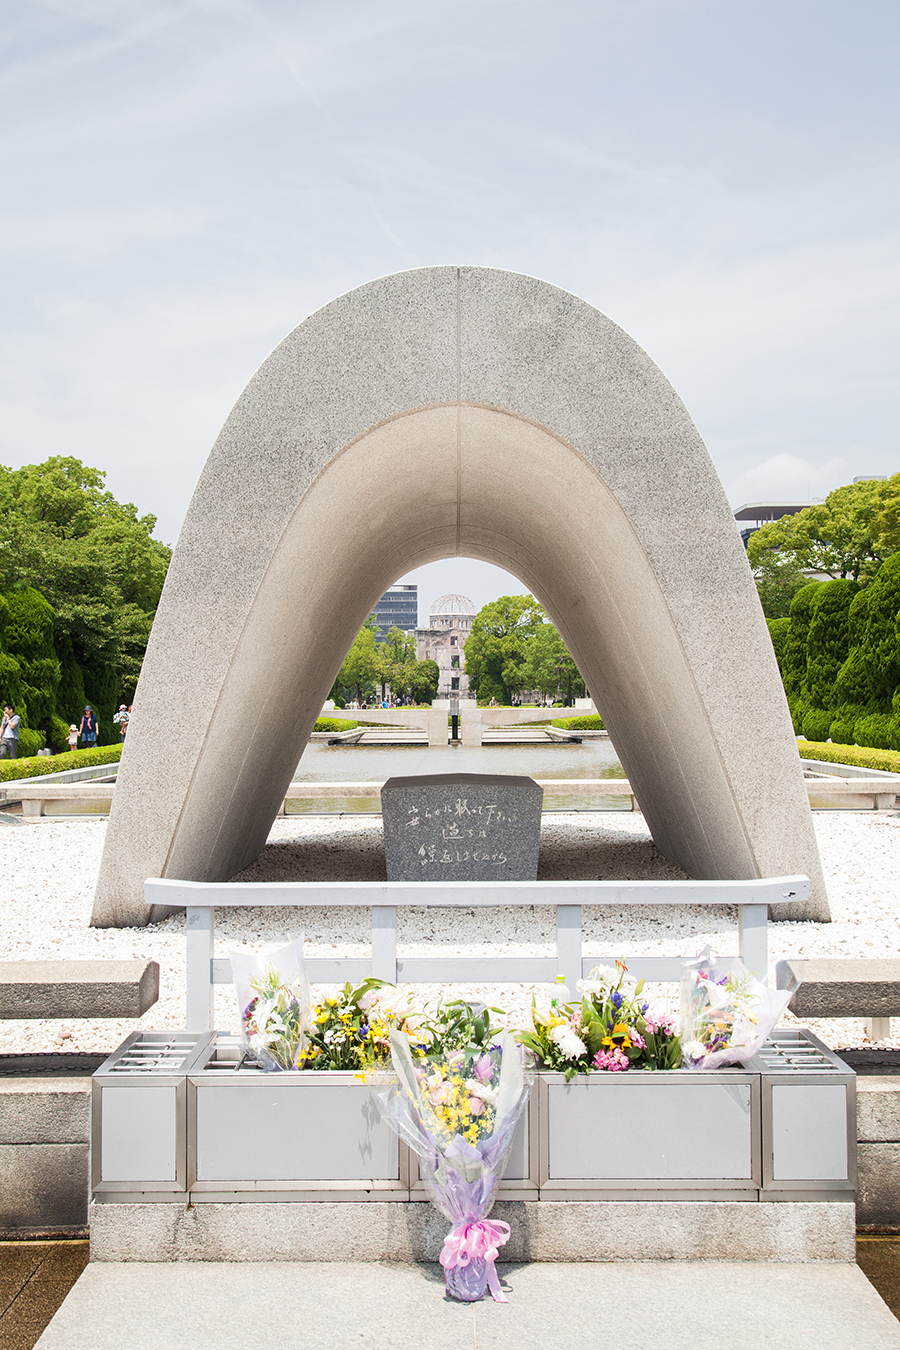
point(155, 1052)
point(790, 1050)
point(228, 1056)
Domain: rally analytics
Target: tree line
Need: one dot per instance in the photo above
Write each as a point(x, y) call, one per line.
point(372, 668)
point(80, 580)
point(837, 638)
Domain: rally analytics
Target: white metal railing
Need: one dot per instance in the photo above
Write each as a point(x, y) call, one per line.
point(204, 970)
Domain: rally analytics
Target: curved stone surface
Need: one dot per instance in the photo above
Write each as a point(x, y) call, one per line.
point(440, 412)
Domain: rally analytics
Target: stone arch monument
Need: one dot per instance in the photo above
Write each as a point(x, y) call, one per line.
point(433, 413)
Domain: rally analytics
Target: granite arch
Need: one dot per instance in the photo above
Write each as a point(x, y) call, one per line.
point(439, 412)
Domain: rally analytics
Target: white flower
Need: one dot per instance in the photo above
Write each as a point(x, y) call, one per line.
point(695, 1050)
point(571, 1046)
point(604, 975)
point(589, 987)
point(476, 1089)
point(367, 999)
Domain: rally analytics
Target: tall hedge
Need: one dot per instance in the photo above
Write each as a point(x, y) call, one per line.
point(839, 656)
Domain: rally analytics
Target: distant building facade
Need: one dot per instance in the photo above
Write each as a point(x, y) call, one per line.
point(445, 641)
point(761, 512)
point(397, 608)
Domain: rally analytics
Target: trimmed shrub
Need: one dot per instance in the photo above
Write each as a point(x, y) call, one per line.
point(817, 724)
point(334, 724)
point(794, 654)
point(589, 723)
point(845, 720)
point(778, 632)
point(859, 756)
point(28, 636)
point(878, 730)
point(30, 742)
point(37, 765)
point(798, 708)
point(828, 639)
point(881, 639)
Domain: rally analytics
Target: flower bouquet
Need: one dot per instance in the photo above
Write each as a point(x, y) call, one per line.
point(353, 1029)
point(274, 1002)
point(610, 1029)
point(726, 1014)
point(459, 1094)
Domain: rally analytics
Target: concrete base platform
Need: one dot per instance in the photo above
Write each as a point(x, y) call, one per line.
point(378, 1231)
point(633, 1306)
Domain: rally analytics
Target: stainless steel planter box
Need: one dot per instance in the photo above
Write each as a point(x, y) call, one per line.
point(295, 1136)
point(181, 1116)
point(139, 1116)
point(638, 1135)
point(809, 1119)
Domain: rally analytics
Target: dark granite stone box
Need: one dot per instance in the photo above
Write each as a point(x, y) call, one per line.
point(462, 827)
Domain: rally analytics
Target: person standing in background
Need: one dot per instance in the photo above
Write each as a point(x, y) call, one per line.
point(9, 733)
point(121, 720)
point(88, 729)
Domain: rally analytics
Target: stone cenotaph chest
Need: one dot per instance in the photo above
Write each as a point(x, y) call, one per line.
point(462, 827)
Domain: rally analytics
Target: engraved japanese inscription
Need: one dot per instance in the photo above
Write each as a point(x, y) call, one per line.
point(461, 827)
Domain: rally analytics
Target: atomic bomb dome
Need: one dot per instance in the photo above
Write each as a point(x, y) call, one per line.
point(452, 604)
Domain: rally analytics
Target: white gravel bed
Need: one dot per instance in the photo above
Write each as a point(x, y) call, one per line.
point(49, 870)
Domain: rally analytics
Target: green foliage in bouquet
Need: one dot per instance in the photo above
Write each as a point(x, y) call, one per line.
point(353, 1030)
point(611, 1029)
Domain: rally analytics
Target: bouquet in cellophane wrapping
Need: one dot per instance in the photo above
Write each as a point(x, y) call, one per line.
point(458, 1108)
point(726, 1014)
point(274, 1002)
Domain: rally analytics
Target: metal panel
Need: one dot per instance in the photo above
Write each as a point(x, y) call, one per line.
point(520, 1176)
point(653, 1127)
point(139, 1134)
point(290, 1128)
point(809, 1132)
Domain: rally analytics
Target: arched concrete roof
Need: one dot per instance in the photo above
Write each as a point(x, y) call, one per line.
point(433, 413)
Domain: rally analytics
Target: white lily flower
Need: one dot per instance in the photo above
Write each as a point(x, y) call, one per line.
point(482, 1090)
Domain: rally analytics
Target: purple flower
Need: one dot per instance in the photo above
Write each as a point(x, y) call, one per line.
point(484, 1068)
point(615, 999)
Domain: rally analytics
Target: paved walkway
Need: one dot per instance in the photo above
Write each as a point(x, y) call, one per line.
point(337, 1306)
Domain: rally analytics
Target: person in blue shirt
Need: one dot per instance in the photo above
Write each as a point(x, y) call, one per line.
point(88, 729)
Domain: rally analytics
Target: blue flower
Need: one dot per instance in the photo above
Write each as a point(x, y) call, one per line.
point(615, 999)
point(644, 1007)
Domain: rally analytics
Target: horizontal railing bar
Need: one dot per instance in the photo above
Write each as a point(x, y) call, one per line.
point(469, 894)
point(473, 969)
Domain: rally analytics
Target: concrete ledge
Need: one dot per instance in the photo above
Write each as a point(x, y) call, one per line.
point(43, 1186)
point(77, 988)
point(545, 1231)
point(842, 987)
point(878, 1112)
point(45, 1111)
point(878, 1193)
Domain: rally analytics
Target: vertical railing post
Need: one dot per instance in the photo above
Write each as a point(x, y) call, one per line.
point(384, 943)
point(568, 944)
point(753, 932)
point(199, 936)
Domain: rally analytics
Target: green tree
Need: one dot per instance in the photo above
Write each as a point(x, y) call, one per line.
point(424, 680)
point(549, 667)
point(361, 665)
point(496, 648)
point(95, 562)
point(849, 535)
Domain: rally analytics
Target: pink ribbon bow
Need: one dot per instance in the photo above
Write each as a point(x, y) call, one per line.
point(483, 1237)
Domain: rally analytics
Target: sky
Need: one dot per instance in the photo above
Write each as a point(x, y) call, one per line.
point(183, 181)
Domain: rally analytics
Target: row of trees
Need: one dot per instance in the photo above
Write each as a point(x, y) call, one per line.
point(513, 647)
point(837, 641)
point(846, 537)
point(372, 666)
point(80, 579)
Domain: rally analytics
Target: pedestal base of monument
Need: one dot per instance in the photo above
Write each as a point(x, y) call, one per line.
point(571, 1230)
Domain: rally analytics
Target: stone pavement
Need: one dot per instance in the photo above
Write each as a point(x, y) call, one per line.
point(670, 1305)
